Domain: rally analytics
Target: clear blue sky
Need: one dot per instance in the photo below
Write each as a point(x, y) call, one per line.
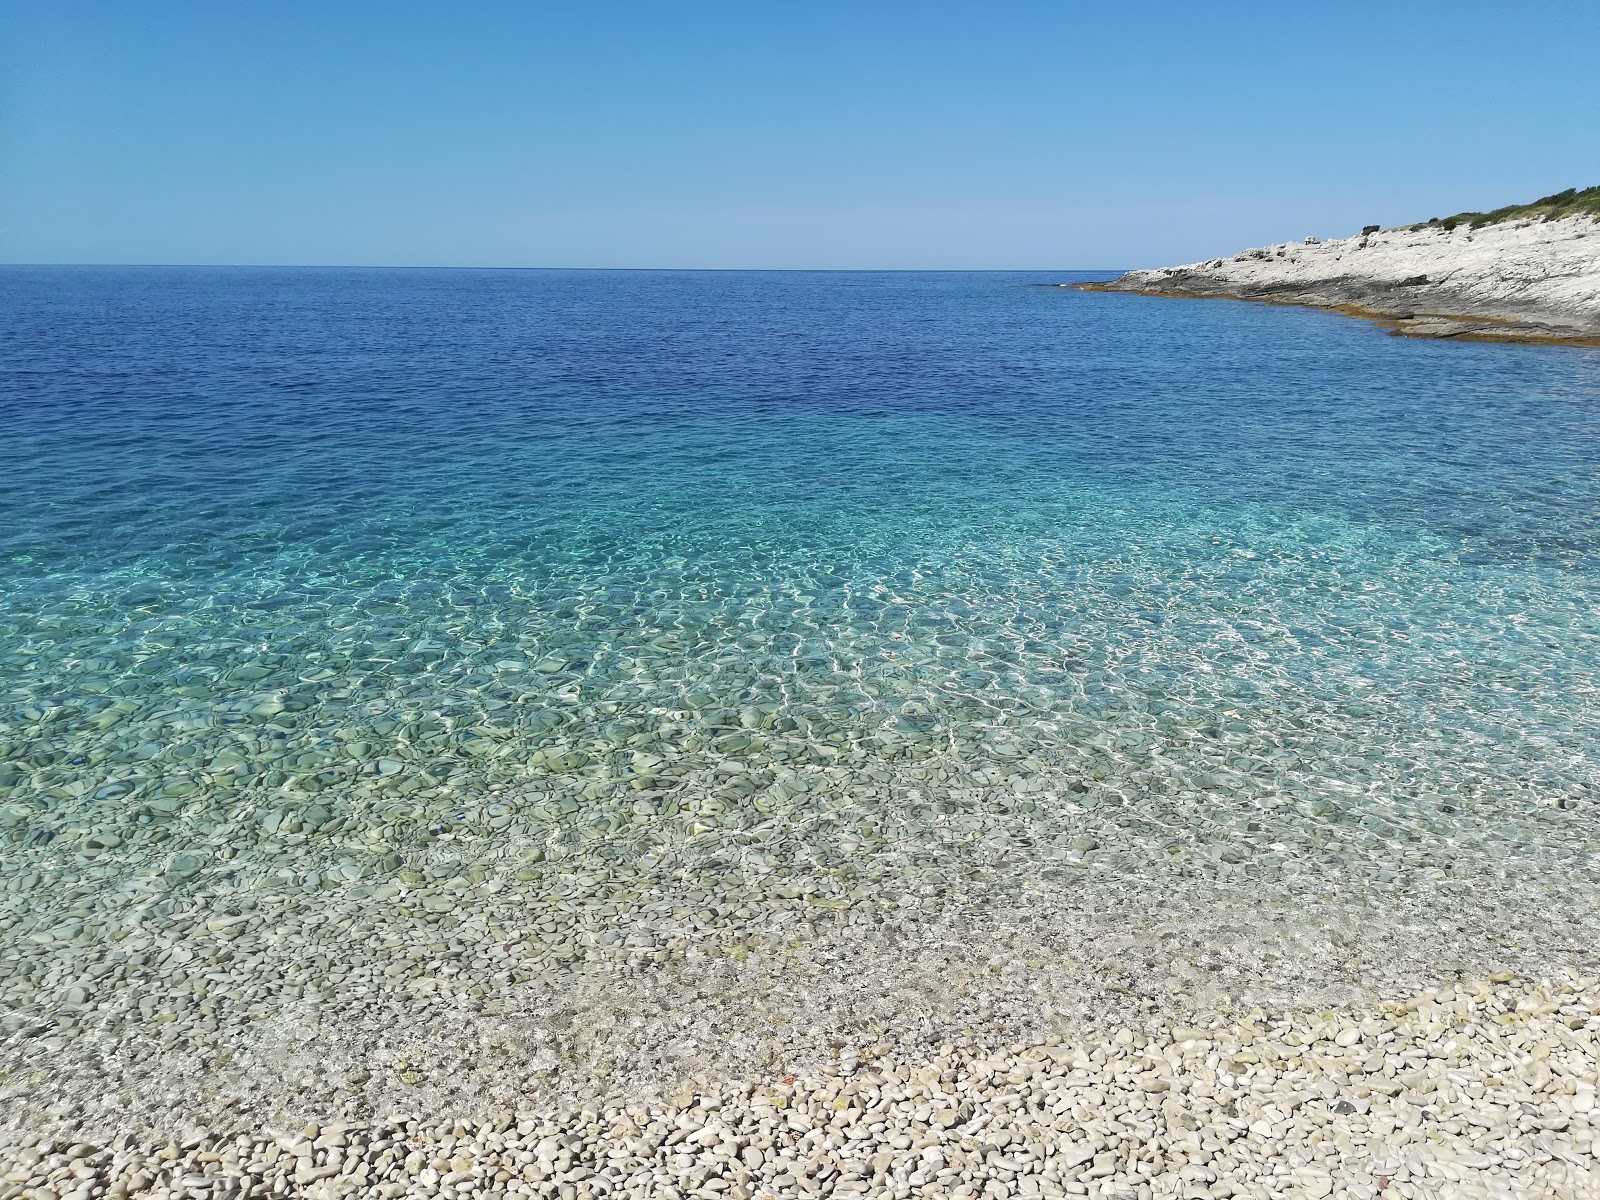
point(874, 133)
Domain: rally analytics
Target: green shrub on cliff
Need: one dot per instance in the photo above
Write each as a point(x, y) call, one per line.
point(1570, 203)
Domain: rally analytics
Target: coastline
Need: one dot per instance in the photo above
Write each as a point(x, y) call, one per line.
point(740, 1023)
point(1482, 1089)
point(1526, 281)
point(1441, 326)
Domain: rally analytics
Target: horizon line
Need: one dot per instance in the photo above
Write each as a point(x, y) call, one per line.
point(462, 267)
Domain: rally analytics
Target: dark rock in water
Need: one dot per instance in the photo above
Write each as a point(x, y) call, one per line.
point(1413, 281)
point(1366, 229)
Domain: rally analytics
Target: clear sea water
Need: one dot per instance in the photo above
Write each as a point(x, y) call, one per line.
point(413, 639)
point(342, 550)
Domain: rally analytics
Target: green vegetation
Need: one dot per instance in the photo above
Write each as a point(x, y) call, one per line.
point(1570, 203)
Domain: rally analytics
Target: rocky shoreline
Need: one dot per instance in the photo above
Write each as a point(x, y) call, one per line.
point(132, 1011)
point(1484, 1089)
point(1532, 280)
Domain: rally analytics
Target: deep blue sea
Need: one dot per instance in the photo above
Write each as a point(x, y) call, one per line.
point(365, 552)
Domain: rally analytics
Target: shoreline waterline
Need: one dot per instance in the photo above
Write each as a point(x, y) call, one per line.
point(463, 995)
point(1477, 1088)
point(1533, 278)
point(1442, 325)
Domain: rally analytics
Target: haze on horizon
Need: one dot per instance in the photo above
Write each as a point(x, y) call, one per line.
point(718, 135)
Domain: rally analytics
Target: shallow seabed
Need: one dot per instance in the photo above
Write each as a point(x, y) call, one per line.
point(441, 689)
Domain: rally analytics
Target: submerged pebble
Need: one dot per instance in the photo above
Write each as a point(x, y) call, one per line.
point(1476, 1091)
point(613, 742)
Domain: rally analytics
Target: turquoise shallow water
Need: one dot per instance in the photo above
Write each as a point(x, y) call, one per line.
point(912, 512)
point(418, 638)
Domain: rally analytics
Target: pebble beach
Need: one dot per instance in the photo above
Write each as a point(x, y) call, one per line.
point(1484, 1090)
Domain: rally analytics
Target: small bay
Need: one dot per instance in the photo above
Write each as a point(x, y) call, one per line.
point(428, 683)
